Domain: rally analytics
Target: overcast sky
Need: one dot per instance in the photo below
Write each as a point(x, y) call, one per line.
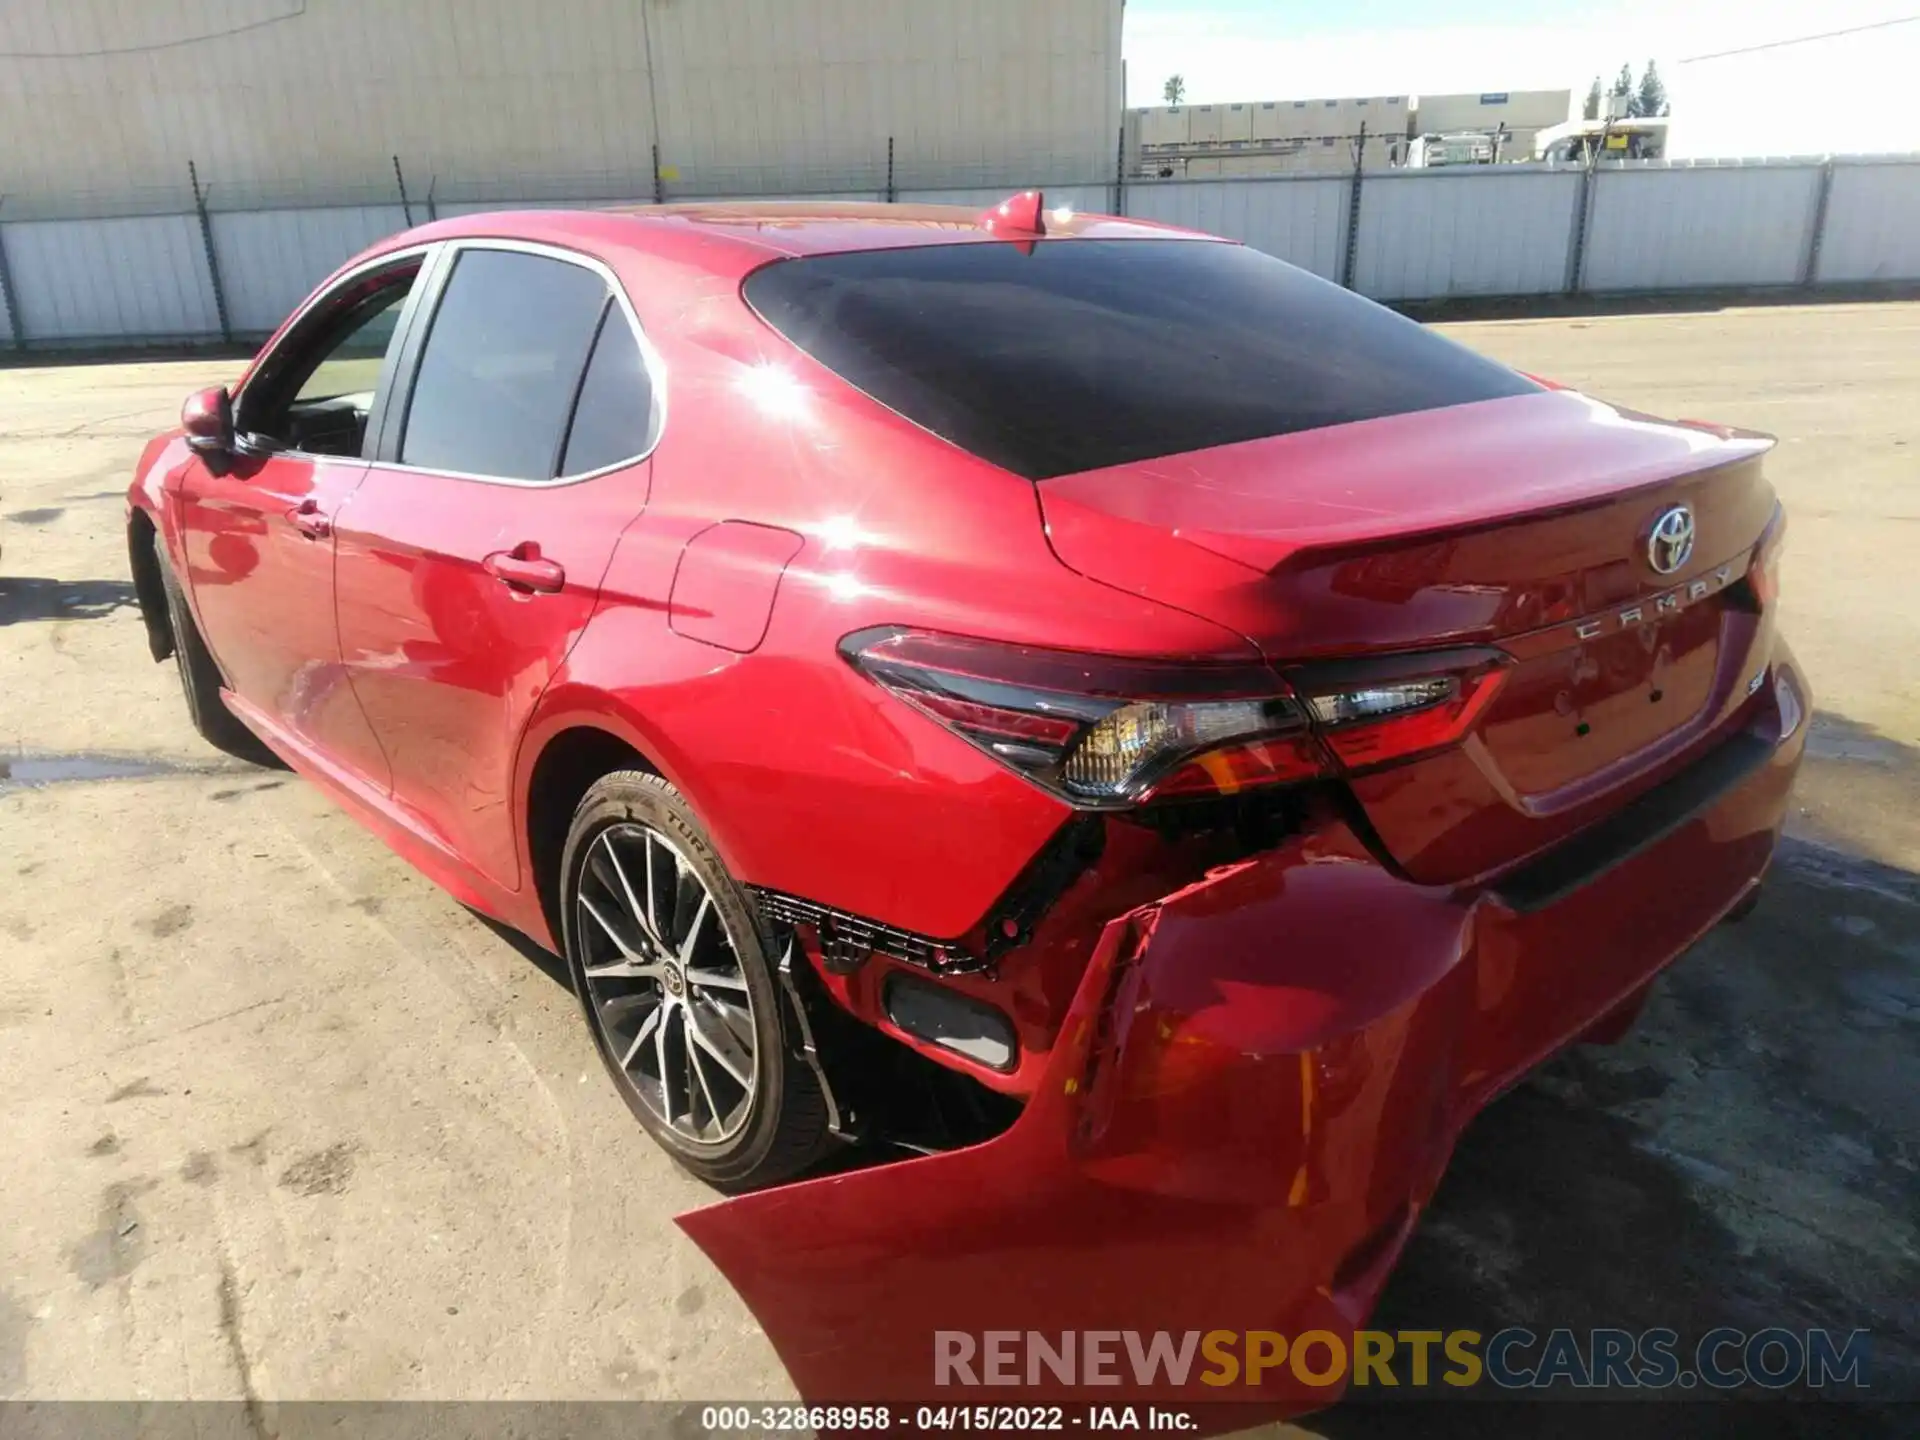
point(1847, 93)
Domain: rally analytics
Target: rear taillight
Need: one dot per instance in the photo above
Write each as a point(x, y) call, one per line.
point(1188, 747)
point(1763, 571)
point(1369, 719)
point(1106, 731)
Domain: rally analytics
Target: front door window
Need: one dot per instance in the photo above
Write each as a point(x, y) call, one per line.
point(315, 393)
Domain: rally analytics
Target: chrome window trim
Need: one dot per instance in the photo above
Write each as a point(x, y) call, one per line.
point(650, 357)
point(307, 307)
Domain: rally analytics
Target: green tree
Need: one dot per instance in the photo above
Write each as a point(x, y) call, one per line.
point(1175, 90)
point(1623, 86)
point(1651, 98)
point(1591, 110)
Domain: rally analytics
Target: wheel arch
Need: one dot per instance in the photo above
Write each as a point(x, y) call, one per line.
point(143, 560)
point(577, 736)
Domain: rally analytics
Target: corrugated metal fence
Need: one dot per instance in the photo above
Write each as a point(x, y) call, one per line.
point(1395, 235)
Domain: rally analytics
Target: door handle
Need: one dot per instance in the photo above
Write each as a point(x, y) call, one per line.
point(523, 568)
point(308, 520)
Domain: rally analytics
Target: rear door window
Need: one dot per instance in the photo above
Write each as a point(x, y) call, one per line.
point(613, 420)
point(1071, 355)
point(502, 365)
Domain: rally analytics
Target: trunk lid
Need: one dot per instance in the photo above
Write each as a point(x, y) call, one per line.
point(1522, 523)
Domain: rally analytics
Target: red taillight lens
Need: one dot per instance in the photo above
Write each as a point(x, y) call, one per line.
point(1763, 571)
point(997, 723)
point(1396, 720)
point(1244, 767)
point(1108, 731)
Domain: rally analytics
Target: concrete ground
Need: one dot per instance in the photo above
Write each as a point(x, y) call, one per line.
point(285, 1121)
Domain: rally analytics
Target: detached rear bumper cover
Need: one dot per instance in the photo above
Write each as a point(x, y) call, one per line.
point(1258, 1087)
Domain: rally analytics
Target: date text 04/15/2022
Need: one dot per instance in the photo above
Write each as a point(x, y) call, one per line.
point(761, 1419)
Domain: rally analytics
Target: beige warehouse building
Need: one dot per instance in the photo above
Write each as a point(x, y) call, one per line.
point(103, 101)
point(1518, 114)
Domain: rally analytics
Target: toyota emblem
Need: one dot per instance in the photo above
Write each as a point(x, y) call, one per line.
point(1671, 544)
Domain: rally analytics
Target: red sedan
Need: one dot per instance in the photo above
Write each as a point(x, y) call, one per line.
point(1134, 742)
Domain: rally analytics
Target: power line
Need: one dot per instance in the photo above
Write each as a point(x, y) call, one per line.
point(1804, 39)
point(299, 9)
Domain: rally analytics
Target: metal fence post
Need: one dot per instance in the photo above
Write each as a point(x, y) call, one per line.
point(213, 261)
point(659, 191)
point(406, 206)
point(1120, 173)
point(1577, 242)
point(16, 330)
point(1351, 259)
point(432, 214)
point(1810, 272)
point(891, 192)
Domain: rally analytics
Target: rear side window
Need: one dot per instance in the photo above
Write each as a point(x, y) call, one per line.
point(501, 365)
point(1074, 355)
point(613, 420)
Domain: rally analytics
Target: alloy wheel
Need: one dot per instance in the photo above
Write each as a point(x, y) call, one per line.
point(665, 986)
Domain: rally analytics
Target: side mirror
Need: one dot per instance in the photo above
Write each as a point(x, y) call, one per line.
point(207, 417)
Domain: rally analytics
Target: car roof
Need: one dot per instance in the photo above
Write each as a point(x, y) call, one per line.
point(741, 235)
point(800, 227)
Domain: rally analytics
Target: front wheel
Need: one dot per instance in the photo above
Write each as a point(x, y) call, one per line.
point(673, 973)
point(200, 680)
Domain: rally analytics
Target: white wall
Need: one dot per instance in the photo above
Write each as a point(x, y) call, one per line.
point(139, 278)
point(1873, 222)
point(1660, 226)
point(1303, 221)
point(1465, 230)
point(271, 259)
point(279, 102)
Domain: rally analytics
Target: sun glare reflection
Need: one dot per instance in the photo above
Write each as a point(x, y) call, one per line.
point(775, 391)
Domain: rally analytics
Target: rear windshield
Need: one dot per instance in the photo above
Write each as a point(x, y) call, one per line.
point(1074, 355)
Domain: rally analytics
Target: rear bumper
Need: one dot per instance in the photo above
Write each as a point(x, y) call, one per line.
point(1257, 1089)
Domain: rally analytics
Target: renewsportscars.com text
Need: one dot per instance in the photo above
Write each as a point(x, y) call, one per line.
point(1515, 1358)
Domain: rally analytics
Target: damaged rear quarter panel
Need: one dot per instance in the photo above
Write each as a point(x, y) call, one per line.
point(1212, 1134)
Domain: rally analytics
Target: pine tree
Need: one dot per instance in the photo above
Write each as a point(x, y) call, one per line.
point(1591, 110)
point(1623, 86)
point(1651, 99)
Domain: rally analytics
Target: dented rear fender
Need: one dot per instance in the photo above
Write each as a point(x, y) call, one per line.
point(1241, 1097)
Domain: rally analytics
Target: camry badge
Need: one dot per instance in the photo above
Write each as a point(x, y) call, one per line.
point(1670, 545)
point(1658, 606)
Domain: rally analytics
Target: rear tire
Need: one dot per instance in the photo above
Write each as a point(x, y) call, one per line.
point(675, 975)
point(200, 679)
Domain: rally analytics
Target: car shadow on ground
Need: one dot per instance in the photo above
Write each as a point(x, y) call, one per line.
point(1746, 1157)
point(543, 960)
point(31, 597)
